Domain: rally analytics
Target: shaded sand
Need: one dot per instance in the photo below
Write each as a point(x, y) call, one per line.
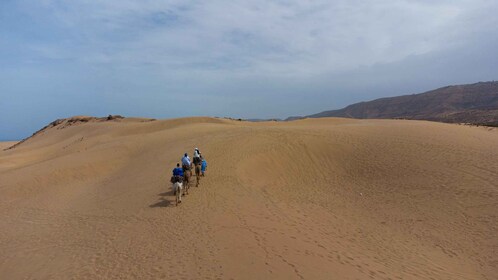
point(309, 199)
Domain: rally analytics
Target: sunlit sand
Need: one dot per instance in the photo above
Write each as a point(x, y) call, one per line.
point(309, 199)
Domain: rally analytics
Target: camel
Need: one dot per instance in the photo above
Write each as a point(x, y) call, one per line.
point(178, 189)
point(197, 174)
point(187, 174)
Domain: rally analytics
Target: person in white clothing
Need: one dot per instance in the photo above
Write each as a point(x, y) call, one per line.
point(197, 156)
point(186, 162)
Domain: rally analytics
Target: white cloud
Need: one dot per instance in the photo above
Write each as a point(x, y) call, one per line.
point(256, 37)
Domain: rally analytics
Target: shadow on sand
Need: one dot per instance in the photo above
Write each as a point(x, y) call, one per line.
point(165, 200)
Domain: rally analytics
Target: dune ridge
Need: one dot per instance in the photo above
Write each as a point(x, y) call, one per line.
point(308, 199)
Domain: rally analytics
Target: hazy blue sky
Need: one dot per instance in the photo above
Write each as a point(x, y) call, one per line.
point(250, 59)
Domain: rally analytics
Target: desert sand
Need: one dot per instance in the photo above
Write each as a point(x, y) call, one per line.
point(4, 145)
point(309, 199)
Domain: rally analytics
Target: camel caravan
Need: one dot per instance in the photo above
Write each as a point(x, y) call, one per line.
point(182, 176)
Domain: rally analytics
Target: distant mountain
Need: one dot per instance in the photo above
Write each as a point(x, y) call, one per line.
point(474, 103)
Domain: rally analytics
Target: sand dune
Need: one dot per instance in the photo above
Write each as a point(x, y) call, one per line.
point(5, 145)
point(309, 199)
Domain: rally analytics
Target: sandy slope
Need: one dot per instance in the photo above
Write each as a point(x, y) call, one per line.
point(5, 145)
point(310, 199)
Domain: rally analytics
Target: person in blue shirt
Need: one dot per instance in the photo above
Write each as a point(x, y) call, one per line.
point(177, 174)
point(203, 166)
point(178, 171)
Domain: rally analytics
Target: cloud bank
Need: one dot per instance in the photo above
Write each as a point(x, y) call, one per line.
point(231, 58)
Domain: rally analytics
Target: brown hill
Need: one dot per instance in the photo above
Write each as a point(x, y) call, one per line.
point(473, 103)
point(309, 199)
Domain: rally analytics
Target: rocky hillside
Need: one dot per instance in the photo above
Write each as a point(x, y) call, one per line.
point(473, 103)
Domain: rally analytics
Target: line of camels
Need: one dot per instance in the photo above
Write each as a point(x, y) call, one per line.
point(181, 188)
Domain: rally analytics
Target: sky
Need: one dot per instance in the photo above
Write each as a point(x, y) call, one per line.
point(247, 59)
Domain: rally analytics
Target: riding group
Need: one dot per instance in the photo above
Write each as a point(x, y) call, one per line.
point(182, 175)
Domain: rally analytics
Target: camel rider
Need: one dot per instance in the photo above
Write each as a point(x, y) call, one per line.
point(177, 174)
point(197, 157)
point(186, 162)
point(203, 166)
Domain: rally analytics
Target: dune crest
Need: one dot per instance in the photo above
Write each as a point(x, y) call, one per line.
point(308, 199)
